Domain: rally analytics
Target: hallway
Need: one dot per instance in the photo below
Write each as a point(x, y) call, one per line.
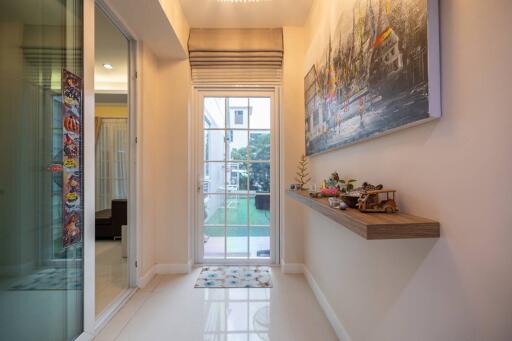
point(170, 308)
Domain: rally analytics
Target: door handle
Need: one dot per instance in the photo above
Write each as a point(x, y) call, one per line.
point(200, 184)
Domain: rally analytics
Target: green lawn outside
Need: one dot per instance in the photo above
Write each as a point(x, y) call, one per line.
point(237, 215)
point(218, 231)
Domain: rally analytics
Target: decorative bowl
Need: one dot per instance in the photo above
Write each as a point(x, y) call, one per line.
point(350, 200)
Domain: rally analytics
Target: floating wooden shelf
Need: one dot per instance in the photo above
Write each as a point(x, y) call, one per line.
point(373, 225)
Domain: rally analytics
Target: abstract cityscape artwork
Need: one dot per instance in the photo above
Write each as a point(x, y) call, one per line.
point(379, 73)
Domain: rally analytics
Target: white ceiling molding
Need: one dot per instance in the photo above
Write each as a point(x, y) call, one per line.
point(160, 24)
point(246, 14)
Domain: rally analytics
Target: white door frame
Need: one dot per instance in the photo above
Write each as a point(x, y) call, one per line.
point(92, 324)
point(196, 145)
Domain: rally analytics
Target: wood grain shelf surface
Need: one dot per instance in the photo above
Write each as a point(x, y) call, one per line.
point(373, 226)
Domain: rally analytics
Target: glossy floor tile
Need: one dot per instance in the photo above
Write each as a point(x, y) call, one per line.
point(170, 308)
point(111, 273)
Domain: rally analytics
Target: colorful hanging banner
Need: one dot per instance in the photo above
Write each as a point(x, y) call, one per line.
point(72, 170)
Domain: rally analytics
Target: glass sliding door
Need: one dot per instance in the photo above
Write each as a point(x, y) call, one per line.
point(41, 248)
point(237, 179)
point(111, 75)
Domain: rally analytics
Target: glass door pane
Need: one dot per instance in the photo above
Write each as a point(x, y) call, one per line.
point(41, 264)
point(237, 172)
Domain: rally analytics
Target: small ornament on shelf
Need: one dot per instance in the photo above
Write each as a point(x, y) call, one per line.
point(328, 192)
point(343, 206)
point(302, 177)
point(347, 185)
point(333, 181)
point(378, 200)
point(352, 196)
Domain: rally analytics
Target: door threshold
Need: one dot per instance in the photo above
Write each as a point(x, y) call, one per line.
point(111, 310)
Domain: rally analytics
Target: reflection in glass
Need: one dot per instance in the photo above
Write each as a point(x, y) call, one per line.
point(41, 281)
point(237, 314)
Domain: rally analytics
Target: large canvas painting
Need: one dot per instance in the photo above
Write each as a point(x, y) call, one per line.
point(379, 73)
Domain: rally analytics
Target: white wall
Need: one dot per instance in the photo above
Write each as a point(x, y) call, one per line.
point(164, 87)
point(168, 152)
point(292, 137)
point(147, 164)
point(456, 170)
point(163, 202)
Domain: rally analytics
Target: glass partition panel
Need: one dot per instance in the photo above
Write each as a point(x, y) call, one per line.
point(41, 264)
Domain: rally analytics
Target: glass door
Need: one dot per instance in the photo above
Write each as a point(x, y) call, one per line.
point(236, 204)
point(41, 247)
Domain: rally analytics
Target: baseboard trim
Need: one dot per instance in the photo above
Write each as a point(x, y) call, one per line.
point(292, 268)
point(85, 337)
point(144, 280)
point(162, 269)
point(324, 303)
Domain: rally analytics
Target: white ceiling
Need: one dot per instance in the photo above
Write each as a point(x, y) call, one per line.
point(264, 14)
point(111, 47)
point(148, 21)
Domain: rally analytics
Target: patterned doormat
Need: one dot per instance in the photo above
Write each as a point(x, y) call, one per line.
point(234, 277)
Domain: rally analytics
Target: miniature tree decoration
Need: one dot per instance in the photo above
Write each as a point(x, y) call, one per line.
point(303, 177)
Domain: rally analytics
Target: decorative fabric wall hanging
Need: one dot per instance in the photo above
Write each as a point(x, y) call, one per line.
point(72, 156)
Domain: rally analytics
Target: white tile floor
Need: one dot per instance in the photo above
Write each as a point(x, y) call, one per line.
point(170, 308)
point(111, 273)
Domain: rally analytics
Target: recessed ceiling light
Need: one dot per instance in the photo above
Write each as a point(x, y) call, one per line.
point(108, 66)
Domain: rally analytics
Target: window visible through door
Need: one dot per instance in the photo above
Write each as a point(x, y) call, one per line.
point(236, 214)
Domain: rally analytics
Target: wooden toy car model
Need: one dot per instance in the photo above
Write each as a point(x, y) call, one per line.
point(382, 200)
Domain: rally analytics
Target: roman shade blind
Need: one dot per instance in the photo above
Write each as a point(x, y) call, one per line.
point(241, 56)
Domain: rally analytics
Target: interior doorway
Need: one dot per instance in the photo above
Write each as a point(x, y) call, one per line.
point(113, 231)
point(237, 215)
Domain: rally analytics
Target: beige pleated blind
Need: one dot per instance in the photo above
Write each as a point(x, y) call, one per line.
point(236, 56)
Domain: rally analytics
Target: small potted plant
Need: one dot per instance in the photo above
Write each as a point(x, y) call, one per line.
point(347, 185)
